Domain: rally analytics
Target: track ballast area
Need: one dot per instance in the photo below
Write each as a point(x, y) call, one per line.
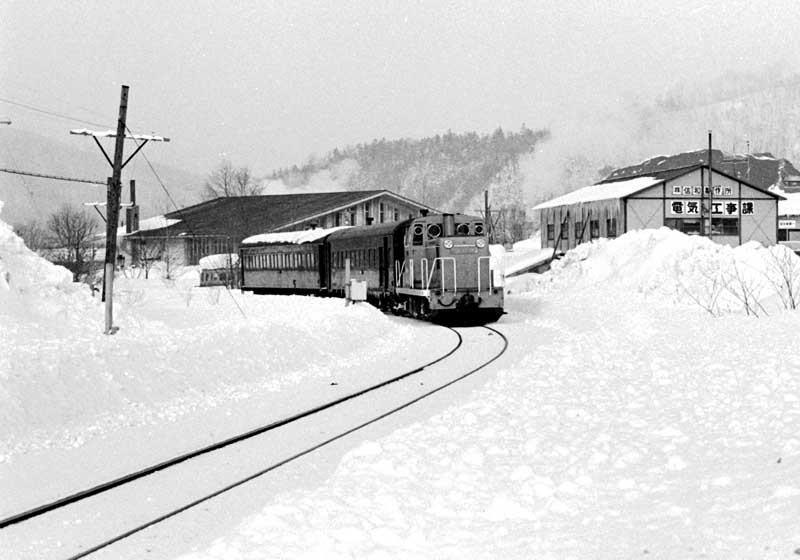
point(323, 424)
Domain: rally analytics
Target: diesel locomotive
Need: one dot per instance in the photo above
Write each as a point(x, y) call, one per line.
point(435, 266)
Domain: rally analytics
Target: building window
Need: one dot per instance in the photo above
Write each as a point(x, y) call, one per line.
point(611, 227)
point(725, 226)
point(551, 232)
point(351, 216)
point(594, 229)
point(564, 230)
point(687, 226)
point(381, 213)
point(337, 219)
point(396, 215)
point(578, 231)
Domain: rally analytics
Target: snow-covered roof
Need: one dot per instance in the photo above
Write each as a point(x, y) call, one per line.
point(222, 260)
point(603, 191)
point(304, 236)
point(156, 222)
point(790, 206)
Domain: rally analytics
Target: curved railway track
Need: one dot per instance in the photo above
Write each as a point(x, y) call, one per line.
point(413, 392)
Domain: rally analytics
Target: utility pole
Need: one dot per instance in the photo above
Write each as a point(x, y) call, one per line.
point(113, 190)
point(710, 192)
point(488, 213)
point(112, 212)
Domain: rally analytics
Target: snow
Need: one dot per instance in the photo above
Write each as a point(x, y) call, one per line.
point(297, 237)
point(790, 206)
point(603, 191)
point(648, 406)
point(113, 134)
point(222, 260)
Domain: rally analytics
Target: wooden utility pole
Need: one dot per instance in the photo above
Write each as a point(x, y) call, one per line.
point(710, 192)
point(113, 190)
point(112, 212)
point(488, 214)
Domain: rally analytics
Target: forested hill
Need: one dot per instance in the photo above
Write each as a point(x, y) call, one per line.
point(448, 172)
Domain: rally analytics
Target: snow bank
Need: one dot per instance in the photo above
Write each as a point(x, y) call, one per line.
point(222, 260)
point(686, 270)
point(179, 349)
point(34, 289)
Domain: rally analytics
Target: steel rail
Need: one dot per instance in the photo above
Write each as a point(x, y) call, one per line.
point(111, 484)
point(283, 462)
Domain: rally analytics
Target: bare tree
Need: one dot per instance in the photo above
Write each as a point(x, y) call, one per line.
point(73, 231)
point(225, 180)
point(785, 267)
point(149, 252)
point(34, 235)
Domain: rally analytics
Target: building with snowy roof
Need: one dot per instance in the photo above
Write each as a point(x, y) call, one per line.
point(725, 207)
point(218, 226)
point(789, 212)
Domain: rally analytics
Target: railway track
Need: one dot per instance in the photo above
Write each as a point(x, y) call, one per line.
point(165, 490)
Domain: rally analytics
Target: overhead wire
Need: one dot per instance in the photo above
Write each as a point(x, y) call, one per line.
point(52, 113)
point(91, 123)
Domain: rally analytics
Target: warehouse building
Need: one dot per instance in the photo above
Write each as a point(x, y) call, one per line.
point(728, 209)
point(217, 226)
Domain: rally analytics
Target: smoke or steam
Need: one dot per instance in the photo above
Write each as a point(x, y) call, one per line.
point(752, 113)
point(334, 178)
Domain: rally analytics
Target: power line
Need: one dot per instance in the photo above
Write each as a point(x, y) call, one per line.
point(51, 113)
point(56, 177)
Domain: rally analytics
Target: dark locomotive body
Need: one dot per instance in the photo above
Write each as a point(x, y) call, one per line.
point(436, 266)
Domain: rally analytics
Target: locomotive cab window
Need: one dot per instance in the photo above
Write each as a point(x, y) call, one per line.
point(462, 230)
point(477, 228)
point(434, 231)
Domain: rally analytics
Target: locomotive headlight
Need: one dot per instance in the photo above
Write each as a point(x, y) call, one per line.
point(448, 243)
point(481, 243)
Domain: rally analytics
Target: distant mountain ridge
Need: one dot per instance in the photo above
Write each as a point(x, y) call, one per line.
point(30, 198)
point(449, 172)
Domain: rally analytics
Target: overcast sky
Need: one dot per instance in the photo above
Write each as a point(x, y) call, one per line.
point(266, 84)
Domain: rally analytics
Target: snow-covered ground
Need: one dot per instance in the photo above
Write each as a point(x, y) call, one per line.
point(648, 407)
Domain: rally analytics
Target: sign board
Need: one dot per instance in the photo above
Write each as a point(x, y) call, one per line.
point(787, 224)
point(695, 190)
point(718, 207)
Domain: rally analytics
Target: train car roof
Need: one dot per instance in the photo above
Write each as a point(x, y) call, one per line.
point(291, 237)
